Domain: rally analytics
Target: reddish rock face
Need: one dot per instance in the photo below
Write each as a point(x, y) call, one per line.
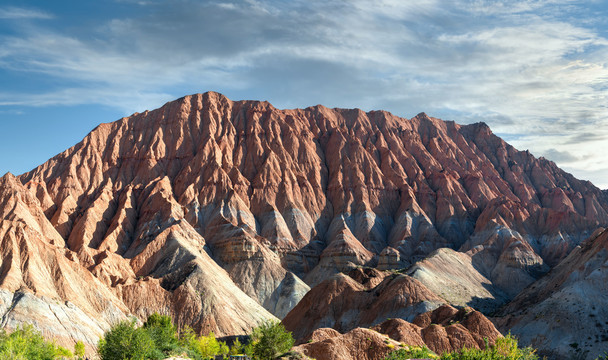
point(343, 304)
point(325, 189)
point(444, 329)
point(77, 294)
point(361, 344)
point(208, 204)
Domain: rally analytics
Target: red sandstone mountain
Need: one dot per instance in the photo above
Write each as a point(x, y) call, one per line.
point(221, 212)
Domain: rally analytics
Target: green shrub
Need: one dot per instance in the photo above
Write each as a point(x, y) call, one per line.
point(125, 341)
point(202, 347)
point(414, 352)
point(270, 340)
point(505, 349)
point(26, 343)
point(157, 339)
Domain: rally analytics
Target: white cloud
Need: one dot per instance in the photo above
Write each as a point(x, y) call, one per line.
point(493, 7)
point(78, 96)
point(18, 13)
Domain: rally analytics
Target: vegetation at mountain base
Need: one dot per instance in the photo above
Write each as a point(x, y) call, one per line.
point(162, 332)
point(158, 339)
point(202, 347)
point(126, 341)
point(270, 340)
point(506, 348)
point(413, 352)
point(26, 343)
point(79, 349)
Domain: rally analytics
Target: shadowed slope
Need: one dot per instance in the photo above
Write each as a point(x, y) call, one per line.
point(567, 305)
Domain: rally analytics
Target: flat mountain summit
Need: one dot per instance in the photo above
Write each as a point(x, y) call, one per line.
point(225, 213)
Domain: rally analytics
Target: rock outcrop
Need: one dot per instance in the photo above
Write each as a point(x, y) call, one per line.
point(452, 275)
point(222, 212)
point(361, 344)
point(564, 313)
point(444, 329)
point(344, 304)
point(41, 281)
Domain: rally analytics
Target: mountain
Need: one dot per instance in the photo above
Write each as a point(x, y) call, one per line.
point(224, 213)
point(564, 313)
point(42, 282)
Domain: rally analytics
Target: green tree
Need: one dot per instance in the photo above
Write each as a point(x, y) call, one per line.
point(125, 341)
point(202, 347)
point(236, 348)
point(209, 346)
point(270, 340)
point(161, 330)
point(27, 343)
point(187, 340)
point(79, 349)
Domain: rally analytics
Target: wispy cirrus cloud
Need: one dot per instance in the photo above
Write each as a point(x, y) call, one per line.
point(19, 13)
point(532, 70)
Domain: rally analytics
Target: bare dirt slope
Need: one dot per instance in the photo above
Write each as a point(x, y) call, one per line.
point(565, 312)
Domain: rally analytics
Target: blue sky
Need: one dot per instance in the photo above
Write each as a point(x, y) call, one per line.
point(535, 70)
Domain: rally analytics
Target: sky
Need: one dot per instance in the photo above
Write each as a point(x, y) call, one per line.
point(536, 71)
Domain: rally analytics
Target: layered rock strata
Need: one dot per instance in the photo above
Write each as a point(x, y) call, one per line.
point(453, 276)
point(564, 313)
